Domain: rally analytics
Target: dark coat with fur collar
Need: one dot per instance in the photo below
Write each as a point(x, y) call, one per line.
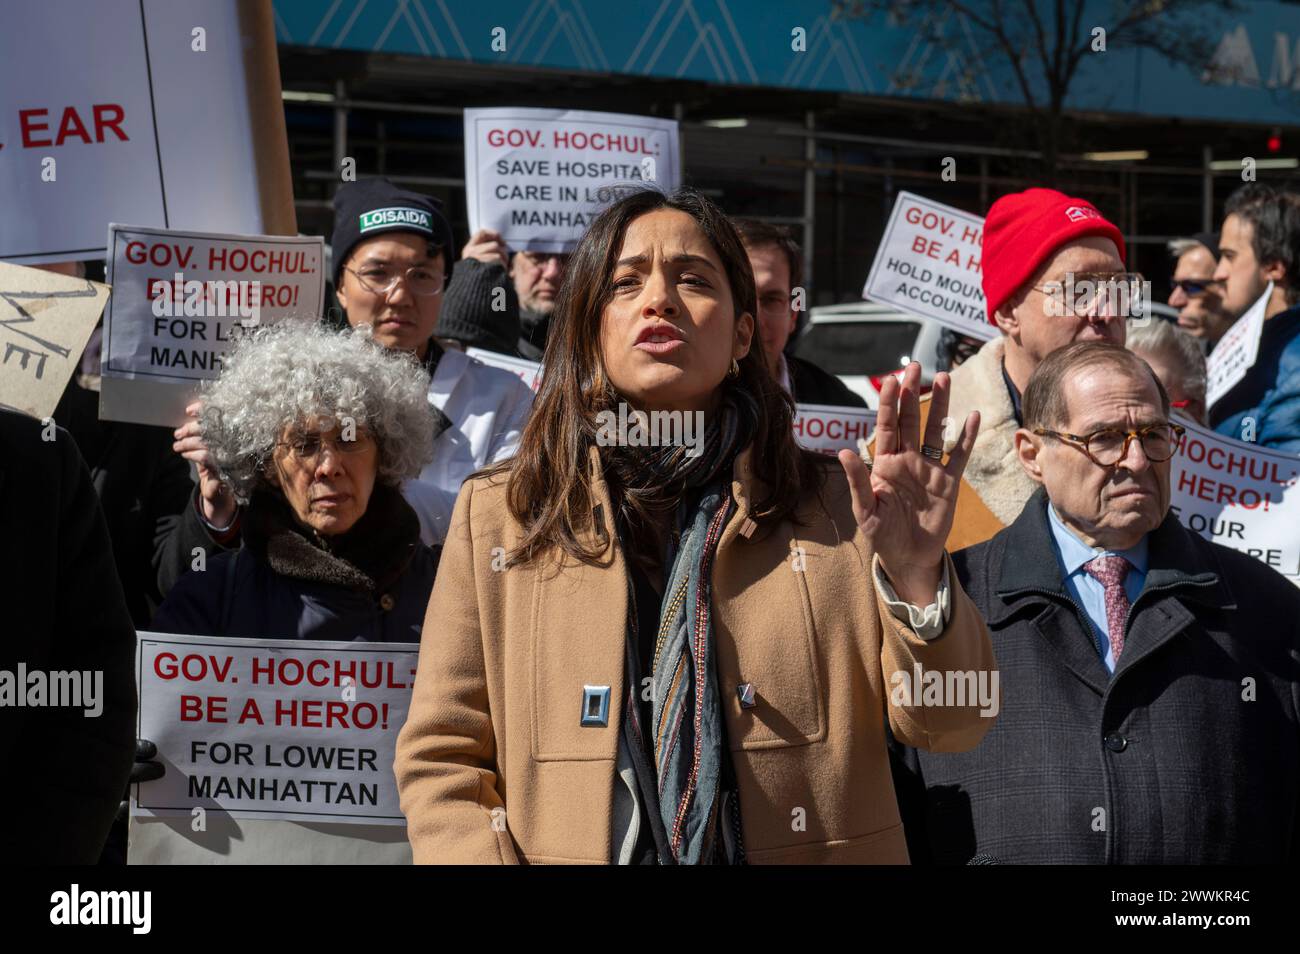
point(370, 584)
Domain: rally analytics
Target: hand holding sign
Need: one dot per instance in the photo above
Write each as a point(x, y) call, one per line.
point(486, 246)
point(214, 496)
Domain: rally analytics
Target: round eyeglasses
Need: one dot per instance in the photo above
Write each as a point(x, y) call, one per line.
point(380, 280)
point(1109, 446)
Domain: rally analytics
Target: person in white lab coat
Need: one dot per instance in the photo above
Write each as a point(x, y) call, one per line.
point(392, 256)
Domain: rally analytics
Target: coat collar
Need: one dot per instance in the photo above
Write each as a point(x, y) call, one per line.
point(1180, 569)
point(745, 485)
point(993, 471)
point(1029, 564)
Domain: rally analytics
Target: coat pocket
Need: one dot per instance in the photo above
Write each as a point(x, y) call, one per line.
point(575, 664)
point(764, 641)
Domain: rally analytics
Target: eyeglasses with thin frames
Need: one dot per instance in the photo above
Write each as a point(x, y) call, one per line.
point(307, 448)
point(420, 280)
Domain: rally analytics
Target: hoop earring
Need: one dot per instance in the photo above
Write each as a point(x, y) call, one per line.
point(734, 370)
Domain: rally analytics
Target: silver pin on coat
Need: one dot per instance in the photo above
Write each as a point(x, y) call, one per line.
point(595, 706)
point(748, 697)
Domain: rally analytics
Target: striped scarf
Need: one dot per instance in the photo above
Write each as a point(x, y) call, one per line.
point(688, 736)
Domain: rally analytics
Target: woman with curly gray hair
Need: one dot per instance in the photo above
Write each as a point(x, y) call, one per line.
point(313, 430)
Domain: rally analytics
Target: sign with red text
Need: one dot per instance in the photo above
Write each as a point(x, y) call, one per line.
point(530, 372)
point(179, 298)
point(118, 110)
point(928, 264)
point(270, 728)
point(828, 429)
point(540, 176)
point(45, 321)
point(1237, 350)
point(1239, 495)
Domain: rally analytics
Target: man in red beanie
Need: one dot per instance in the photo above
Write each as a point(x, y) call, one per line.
point(1038, 244)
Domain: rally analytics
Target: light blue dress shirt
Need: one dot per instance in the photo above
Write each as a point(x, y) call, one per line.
point(1072, 553)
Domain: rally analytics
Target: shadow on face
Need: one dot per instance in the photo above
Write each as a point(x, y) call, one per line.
point(326, 475)
point(1111, 507)
point(1029, 320)
point(401, 318)
point(669, 332)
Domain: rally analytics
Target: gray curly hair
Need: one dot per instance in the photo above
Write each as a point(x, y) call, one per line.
point(295, 371)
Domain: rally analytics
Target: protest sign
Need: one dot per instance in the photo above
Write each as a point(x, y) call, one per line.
point(1240, 495)
point(928, 264)
point(45, 321)
point(530, 372)
point(540, 176)
point(298, 730)
point(1236, 351)
point(828, 429)
point(119, 110)
point(178, 297)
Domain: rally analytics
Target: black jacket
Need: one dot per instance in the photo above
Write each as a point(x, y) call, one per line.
point(812, 385)
point(372, 583)
point(63, 612)
point(142, 486)
point(1188, 754)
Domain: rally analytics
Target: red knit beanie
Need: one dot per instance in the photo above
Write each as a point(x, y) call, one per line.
point(1024, 229)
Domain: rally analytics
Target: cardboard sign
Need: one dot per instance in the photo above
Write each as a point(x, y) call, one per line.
point(828, 429)
point(299, 730)
point(1240, 495)
point(530, 372)
point(180, 297)
point(1236, 352)
point(45, 321)
point(540, 176)
point(928, 264)
point(118, 111)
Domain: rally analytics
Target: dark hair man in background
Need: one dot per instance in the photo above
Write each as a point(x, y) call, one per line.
point(1260, 243)
point(1148, 676)
point(778, 270)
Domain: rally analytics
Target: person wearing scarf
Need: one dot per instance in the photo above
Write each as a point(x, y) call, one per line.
point(312, 430)
point(674, 643)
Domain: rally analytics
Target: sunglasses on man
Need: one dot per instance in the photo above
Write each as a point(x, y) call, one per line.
point(1194, 287)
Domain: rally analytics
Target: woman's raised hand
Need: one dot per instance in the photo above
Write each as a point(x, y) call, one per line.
point(905, 500)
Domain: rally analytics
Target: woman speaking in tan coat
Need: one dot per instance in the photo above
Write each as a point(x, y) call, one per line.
point(680, 643)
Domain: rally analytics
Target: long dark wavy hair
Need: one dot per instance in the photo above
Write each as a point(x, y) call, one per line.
point(549, 490)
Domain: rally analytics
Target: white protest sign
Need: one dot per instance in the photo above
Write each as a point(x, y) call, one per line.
point(828, 429)
point(177, 299)
point(540, 176)
point(300, 730)
point(1236, 351)
point(1239, 495)
point(45, 321)
point(108, 113)
point(928, 264)
point(530, 372)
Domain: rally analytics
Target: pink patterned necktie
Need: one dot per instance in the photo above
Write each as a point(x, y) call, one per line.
point(1110, 572)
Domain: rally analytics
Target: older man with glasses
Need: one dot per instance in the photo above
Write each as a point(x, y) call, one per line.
point(1149, 681)
point(1194, 291)
point(1053, 273)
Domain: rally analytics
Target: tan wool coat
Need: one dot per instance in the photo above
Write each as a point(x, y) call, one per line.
point(494, 767)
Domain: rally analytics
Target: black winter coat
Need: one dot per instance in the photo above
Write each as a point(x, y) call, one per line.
point(811, 385)
point(63, 611)
point(372, 583)
point(143, 486)
point(1188, 754)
